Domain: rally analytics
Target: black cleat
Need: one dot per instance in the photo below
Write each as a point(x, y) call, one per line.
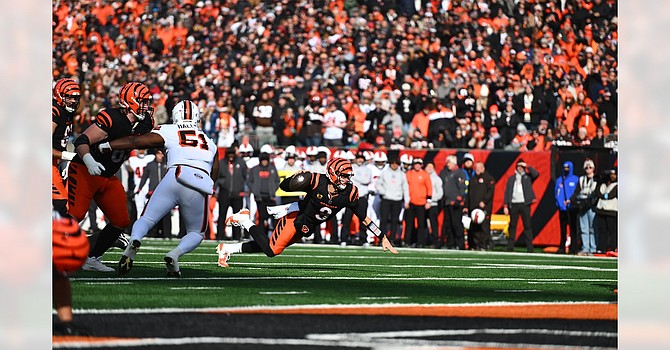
point(121, 242)
point(172, 267)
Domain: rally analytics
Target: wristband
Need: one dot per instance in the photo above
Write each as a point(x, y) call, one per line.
point(375, 229)
point(65, 155)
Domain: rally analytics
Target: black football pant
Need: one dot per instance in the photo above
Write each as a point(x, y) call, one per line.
point(480, 234)
point(452, 228)
point(523, 210)
point(345, 234)
point(389, 212)
point(417, 212)
point(225, 201)
point(607, 232)
point(433, 213)
point(568, 218)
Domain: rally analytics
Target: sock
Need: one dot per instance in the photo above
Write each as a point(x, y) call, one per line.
point(262, 240)
point(247, 224)
point(106, 239)
point(234, 248)
point(251, 247)
point(188, 243)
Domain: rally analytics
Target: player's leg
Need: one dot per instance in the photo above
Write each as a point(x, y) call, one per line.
point(159, 205)
point(111, 199)
point(224, 202)
point(58, 192)
point(194, 208)
point(422, 233)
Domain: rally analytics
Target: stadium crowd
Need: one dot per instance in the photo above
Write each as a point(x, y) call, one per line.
point(497, 74)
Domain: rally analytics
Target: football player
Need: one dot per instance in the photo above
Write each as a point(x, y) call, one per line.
point(327, 194)
point(193, 166)
point(91, 173)
point(66, 95)
point(137, 163)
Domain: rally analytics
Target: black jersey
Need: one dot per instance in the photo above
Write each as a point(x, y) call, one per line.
point(116, 125)
point(63, 120)
point(318, 206)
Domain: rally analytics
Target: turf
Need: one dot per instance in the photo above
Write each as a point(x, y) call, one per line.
point(311, 274)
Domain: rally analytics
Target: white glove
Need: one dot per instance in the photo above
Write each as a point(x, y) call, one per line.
point(65, 155)
point(104, 147)
point(94, 168)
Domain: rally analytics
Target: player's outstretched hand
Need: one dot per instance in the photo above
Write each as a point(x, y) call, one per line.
point(94, 168)
point(386, 245)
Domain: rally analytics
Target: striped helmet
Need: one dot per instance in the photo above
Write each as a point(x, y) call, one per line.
point(136, 98)
point(186, 112)
point(67, 93)
point(339, 171)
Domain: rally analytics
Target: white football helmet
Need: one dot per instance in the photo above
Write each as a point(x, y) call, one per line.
point(312, 151)
point(406, 159)
point(349, 155)
point(380, 156)
point(186, 112)
point(267, 149)
point(478, 216)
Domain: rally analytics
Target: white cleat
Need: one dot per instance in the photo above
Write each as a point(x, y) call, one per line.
point(94, 264)
point(237, 218)
point(224, 255)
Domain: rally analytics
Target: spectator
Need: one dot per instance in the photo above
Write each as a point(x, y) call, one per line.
point(584, 200)
point(435, 204)
point(334, 122)
point(362, 178)
point(263, 114)
point(468, 169)
point(392, 120)
point(494, 140)
point(607, 211)
point(519, 196)
point(263, 183)
point(480, 195)
point(394, 191)
point(522, 140)
point(453, 180)
point(230, 190)
point(406, 162)
point(420, 193)
point(566, 185)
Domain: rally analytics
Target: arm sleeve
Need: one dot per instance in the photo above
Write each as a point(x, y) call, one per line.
point(533, 173)
point(490, 189)
point(405, 190)
point(429, 187)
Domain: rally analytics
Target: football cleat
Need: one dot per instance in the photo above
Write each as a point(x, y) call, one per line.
point(94, 264)
point(70, 328)
point(224, 255)
point(237, 218)
point(172, 265)
point(121, 242)
point(126, 262)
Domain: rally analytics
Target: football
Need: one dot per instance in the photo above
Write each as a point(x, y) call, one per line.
point(70, 246)
point(478, 216)
point(300, 180)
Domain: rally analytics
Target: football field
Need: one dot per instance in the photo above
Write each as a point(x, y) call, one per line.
point(332, 297)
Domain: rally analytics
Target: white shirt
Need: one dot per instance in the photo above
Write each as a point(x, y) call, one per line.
point(137, 164)
point(186, 144)
point(334, 132)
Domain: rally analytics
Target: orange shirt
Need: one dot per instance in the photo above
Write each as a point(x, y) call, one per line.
point(421, 122)
point(420, 186)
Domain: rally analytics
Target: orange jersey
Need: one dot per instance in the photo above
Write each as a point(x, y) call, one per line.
point(420, 186)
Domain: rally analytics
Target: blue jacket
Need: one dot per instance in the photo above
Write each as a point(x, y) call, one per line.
point(565, 186)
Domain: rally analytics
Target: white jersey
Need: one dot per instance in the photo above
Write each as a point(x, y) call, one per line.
point(374, 175)
point(188, 145)
point(137, 164)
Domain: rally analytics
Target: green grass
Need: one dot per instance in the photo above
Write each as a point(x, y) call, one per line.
point(338, 275)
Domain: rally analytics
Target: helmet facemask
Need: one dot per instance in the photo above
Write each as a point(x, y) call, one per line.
point(342, 180)
point(71, 102)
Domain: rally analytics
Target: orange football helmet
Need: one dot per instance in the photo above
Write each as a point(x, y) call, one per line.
point(339, 171)
point(67, 93)
point(69, 244)
point(136, 98)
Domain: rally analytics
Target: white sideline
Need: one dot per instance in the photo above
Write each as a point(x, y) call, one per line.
point(377, 343)
point(322, 306)
point(443, 332)
point(342, 278)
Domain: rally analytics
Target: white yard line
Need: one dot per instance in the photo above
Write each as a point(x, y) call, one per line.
point(517, 290)
point(341, 278)
point(381, 298)
point(387, 266)
point(110, 283)
point(321, 306)
point(285, 293)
